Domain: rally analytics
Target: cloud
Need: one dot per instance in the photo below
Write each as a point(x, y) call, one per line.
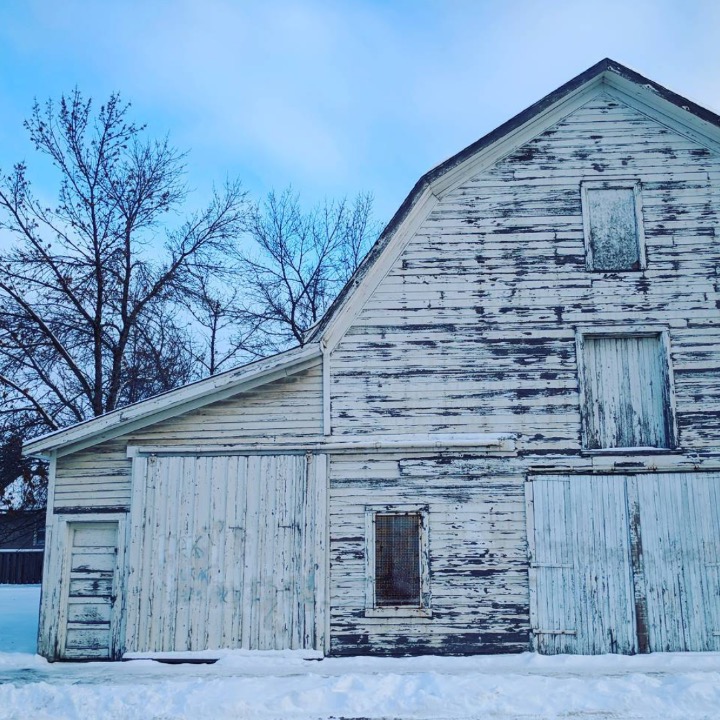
point(339, 97)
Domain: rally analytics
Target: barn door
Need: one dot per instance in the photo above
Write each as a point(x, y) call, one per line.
point(90, 589)
point(625, 563)
point(679, 579)
point(228, 552)
point(582, 599)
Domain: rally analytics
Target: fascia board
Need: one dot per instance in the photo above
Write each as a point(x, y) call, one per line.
point(646, 100)
point(173, 403)
point(506, 145)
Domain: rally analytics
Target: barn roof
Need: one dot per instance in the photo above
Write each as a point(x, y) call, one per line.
point(698, 122)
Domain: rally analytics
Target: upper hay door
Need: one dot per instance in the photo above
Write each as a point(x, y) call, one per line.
point(227, 552)
point(626, 384)
point(613, 224)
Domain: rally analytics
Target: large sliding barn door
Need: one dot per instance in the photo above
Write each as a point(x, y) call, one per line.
point(625, 563)
point(227, 552)
point(678, 569)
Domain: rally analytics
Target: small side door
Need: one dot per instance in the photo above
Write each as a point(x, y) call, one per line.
point(90, 591)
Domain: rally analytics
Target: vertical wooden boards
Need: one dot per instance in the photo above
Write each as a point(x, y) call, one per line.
point(644, 562)
point(91, 587)
point(627, 392)
point(680, 527)
point(554, 608)
point(584, 589)
point(234, 561)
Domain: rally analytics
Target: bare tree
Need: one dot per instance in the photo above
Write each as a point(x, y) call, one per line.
point(88, 287)
point(299, 261)
point(223, 333)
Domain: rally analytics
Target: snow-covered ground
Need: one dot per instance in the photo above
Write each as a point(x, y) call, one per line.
point(288, 686)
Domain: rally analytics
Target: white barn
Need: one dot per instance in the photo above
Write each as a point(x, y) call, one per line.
point(504, 435)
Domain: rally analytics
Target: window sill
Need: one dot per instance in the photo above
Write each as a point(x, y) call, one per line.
point(398, 612)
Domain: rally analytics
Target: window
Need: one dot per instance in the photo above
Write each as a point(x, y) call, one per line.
point(626, 398)
point(612, 220)
point(397, 561)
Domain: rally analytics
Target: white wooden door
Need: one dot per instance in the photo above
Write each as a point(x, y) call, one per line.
point(228, 552)
point(90, 591)
point(582, 592)
point(679, 517)
point(625, 563)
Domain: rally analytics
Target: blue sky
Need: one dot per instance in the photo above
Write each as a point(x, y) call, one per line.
point(334, 97)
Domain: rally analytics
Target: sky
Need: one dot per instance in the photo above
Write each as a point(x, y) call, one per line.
point(333, 97)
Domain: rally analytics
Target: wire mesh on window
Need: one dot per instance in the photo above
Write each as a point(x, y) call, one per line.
point(397, 560)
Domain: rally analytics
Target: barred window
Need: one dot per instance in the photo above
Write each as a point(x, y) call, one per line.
point(397, 560)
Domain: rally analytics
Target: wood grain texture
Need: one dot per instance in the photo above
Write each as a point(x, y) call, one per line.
point(473, 327)
point(99, 477)
point(236, 561)
point(477, 554)
point(626, 563)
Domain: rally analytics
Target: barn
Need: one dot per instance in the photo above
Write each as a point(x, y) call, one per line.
point(504, 435)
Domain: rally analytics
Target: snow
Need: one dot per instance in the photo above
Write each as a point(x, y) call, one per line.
point(298, 686)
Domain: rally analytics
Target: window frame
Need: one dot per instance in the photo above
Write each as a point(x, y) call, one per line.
point(621, 183)
point(423, 608)
point(614, 331)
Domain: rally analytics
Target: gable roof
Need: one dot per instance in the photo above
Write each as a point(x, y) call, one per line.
point(667, 105)
point(682, 114)
point(175, 402)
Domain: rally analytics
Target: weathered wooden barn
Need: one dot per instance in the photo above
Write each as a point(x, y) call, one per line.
point(504, 434)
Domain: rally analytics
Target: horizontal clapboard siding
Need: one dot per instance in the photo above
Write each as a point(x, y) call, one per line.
point(99, 477)
point(477, 554)
point(291, 407)
point(473, 328)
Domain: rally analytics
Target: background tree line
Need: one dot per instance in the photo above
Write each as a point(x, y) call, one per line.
point(110, 295)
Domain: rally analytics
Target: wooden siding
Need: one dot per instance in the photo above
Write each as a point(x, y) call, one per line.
point(473, 328)
point(91, 590)
point(627, 398)
point(477, 554)
point(291, 407)
point(99, 477)
point(625, 563)
point(580, 567)
point(235, 561)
